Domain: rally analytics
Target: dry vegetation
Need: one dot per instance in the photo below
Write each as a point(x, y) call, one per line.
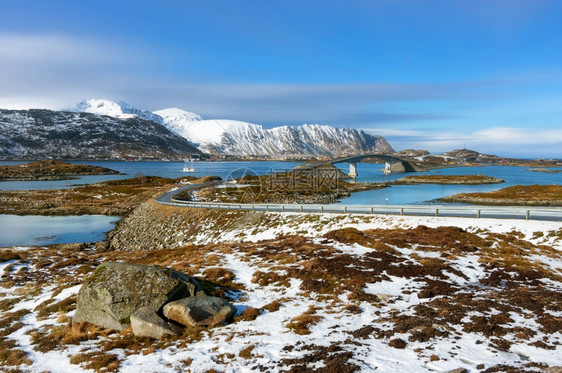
point(116, 197)
point(480, 284)
point(526, 195)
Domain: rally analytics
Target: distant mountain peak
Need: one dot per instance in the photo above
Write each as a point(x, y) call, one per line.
point(177, 113)
point(120, 110)
point(102, 107)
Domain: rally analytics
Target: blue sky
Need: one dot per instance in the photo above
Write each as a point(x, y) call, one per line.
point(487, 74)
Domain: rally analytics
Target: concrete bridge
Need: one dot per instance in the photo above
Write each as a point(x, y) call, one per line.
point(354, 159)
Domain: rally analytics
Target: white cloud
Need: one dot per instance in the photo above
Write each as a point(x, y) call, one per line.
point(506, 141)
point(54, 49)
point(394, 132)
point(52, 71)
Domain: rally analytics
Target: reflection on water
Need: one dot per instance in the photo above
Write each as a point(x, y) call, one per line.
point(47, 230)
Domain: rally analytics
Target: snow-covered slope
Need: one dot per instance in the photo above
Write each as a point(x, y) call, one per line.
point(240, 138)
point(39, 134)
point(119, 110)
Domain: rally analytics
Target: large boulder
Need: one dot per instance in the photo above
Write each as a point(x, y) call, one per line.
point(199, 311)
point(146, 323)
point(115, 290)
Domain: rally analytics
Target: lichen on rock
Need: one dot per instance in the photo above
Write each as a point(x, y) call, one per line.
point(116, 290)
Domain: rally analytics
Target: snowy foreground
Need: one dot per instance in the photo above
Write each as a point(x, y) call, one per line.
point(339, 293)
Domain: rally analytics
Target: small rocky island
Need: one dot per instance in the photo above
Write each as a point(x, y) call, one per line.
point(521, 195)
point(546, 170)
point(50, 170)
point(449, 179)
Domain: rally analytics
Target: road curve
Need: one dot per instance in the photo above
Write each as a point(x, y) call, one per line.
point(467, 211)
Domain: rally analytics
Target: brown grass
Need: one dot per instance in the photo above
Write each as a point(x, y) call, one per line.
point(118, 197)
point(334, 357)
point(302, 323)
point(64, 306)
point(268, 278)
point(98, 361)
point(9, 322)
point(275, 305)
point(353, 308)
point(50, 170)
point(131, 344)
point(517, 194)
point(246, 352)
point(220, 276)
point(194, 334)
point(58, 335)
point(249, 314)
point(10, 355)
point(7, 254)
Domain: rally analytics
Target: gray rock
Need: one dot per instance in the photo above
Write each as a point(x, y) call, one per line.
point(383, 297)
point(199, 311)
point(146, 323)
point(115, 290)
point(458, 370)
point(557, 369)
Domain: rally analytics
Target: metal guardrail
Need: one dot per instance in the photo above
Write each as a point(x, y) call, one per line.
point(469, 211)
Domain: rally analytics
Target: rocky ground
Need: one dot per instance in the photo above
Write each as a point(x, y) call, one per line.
point(518, 195)
point(313, 293)
point(50, 170)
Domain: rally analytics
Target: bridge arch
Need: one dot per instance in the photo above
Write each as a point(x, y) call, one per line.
point(354, 159)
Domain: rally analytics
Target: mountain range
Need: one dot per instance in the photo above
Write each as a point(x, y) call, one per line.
point(103, 129)
point(41, 134)
point(239, 138)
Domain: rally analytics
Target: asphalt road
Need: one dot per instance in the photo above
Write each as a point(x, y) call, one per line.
point(467, 211)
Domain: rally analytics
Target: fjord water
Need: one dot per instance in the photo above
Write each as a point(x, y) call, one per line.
point(47, 230)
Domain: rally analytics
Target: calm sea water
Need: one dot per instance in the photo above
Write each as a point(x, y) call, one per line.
point(47, 230)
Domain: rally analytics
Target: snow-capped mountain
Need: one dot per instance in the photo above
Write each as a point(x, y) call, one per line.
point(39, 134)
point(246, 139)
point(120, 110)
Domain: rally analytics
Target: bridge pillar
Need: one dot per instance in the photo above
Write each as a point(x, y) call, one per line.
point(387, 168)
point(352, 170)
